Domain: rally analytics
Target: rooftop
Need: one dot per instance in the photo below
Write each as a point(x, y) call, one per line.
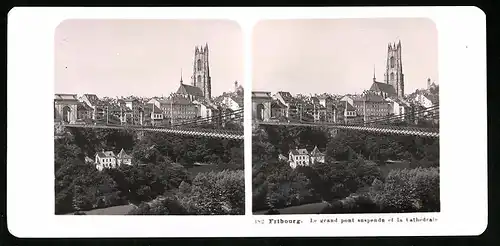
point(299, 152)
point(72, 97)
point(190, 90)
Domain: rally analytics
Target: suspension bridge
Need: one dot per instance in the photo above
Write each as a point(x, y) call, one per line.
point(211, 126)
point(385, 124)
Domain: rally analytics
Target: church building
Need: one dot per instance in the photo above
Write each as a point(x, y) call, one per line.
point(393, 85)
point(201, 71)
point(201, 82)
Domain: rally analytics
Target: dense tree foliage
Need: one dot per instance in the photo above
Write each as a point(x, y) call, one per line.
point(354, 169)
point(409, 190)
point(209, 194)
point(161, 165)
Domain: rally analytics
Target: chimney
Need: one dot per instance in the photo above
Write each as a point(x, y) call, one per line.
point(428, 83)
point(235, 86)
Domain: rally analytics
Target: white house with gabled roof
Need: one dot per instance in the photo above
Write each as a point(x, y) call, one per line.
point(298, 157)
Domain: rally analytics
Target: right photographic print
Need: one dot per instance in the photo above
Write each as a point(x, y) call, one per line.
point(345, 116)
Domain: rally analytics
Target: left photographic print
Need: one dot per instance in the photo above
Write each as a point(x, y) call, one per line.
point(148, 117)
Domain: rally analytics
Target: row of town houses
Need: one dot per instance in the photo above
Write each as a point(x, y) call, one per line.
point(379, 102)
point(188, 104)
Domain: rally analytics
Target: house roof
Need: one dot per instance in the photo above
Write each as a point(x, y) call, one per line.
point(299, 152)
point(71, 97)
point(109, 154)
point(238, 100)
point(190, 90)
point(277, 104)
point(280, 156)
point(178, 100)
point(261, 94)
point(162, 101)
point(130, 99)
point(383, 87)
point(105, 154)
point(324, 96)
point(433, 98)
point(207, 103)
point(342, 106)
point(93, 99)
point(315, 152)
point(287, 97)
point(150, 107)
point(83, 106)
point(369, 97)
point(399, 101)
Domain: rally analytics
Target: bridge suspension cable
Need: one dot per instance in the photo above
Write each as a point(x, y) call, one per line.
point(417, 113)
point(211, 119)
point(212, 133)
point(305, 119)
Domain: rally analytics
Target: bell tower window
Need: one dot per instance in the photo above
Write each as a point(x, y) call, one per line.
point(198, 64)
point(392, 62)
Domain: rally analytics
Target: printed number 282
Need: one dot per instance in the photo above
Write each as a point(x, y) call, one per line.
point(259, 221)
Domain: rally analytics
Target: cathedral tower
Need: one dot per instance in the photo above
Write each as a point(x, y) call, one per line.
point(394, 71)
point(201, 71)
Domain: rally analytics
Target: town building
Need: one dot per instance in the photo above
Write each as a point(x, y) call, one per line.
point(289, 101)
point(180, 109)
point(298, 157)
point(278, 109)
point(347, 112)
point(399, 108)
point(301, 157)
point(329, 104)
point(425, 100)
point(317, 156)
point(153, 115)
point(207, 111)
point(107, 159)
point(98, 106)
point(84, 111)
point(132, 111)
point(368, 105)
point(123, 158)
point(235, 105)
point(318, 110)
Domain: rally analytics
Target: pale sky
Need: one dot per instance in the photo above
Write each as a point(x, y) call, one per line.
point(143, 57)
point(338, 56)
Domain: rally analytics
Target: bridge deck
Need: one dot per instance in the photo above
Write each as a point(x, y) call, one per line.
point(215, 133)
point(414, 131)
